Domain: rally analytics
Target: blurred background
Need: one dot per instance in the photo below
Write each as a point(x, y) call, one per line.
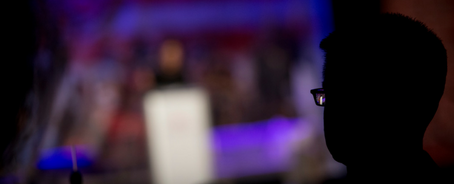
point(94, 62)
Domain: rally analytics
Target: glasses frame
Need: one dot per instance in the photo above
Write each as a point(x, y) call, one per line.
point(314, 93)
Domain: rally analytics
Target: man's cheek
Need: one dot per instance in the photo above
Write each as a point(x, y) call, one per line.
point(338, 133)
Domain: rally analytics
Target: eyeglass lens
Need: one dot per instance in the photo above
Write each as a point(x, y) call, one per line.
point(320, 98)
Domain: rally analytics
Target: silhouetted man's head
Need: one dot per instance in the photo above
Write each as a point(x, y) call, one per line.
point(383, 80)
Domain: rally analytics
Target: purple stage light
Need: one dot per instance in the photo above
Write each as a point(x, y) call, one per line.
point(257, 148)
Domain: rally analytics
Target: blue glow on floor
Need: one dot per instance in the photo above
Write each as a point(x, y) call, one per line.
point(60, 158)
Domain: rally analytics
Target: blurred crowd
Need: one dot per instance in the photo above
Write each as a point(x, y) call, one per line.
point(96, 61)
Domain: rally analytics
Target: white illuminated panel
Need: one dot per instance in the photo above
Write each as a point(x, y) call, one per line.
point(177, 123)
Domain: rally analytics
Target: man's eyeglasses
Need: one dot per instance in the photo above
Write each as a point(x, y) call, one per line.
point(319, 96)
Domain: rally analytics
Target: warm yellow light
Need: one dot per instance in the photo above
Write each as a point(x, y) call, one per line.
point(171, 56)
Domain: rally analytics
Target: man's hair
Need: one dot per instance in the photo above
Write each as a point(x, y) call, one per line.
point(389, 50)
